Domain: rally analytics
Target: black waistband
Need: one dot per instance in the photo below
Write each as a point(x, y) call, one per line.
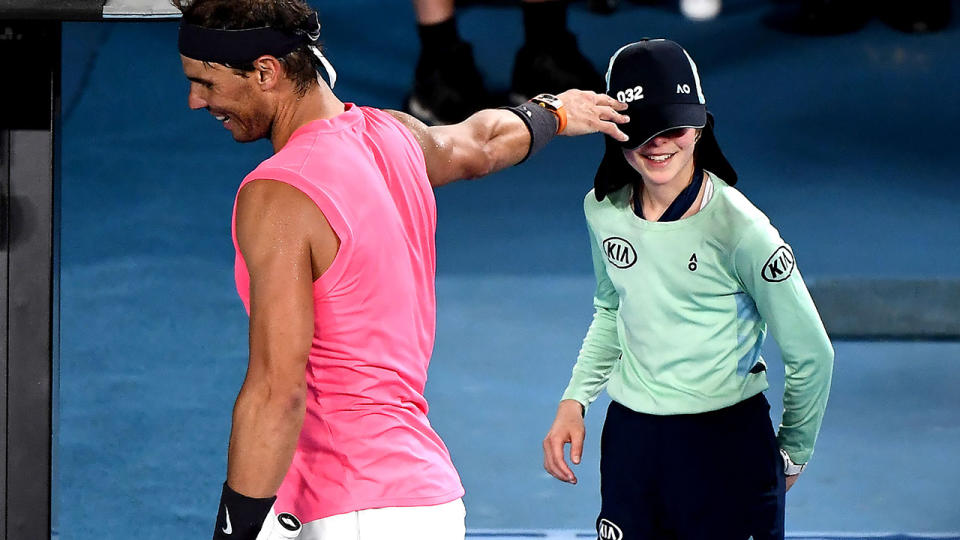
point(756, 402)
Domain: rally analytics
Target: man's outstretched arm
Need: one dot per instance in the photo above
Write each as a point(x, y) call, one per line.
point(494, 139)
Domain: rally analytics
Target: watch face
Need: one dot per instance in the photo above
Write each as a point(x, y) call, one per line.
point(549, 100)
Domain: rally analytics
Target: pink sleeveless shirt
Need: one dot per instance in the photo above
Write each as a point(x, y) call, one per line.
point(366, 442)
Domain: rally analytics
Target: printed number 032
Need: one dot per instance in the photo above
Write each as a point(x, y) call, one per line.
point(630, 94)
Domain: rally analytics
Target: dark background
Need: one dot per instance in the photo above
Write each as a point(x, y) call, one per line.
point(846, 142)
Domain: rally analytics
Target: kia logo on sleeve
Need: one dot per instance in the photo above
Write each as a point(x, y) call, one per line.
point(779, 266)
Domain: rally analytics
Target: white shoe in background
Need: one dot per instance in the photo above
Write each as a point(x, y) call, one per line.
point(700, 10)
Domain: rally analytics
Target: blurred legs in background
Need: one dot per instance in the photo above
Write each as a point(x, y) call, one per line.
point(447, 85)
point(550, 60)
point(827, 17)
point(916, 16)
point(695, 10)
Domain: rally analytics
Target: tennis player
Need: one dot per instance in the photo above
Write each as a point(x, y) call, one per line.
point(335, 260)
point(690, 277)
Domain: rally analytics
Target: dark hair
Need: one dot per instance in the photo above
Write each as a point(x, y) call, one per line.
point(287, 16)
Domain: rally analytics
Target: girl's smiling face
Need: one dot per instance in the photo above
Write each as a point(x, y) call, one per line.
point(666, 157)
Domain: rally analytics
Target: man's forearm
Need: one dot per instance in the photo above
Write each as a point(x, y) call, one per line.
point(494, 139)
point(503, 140)
point(266, 427)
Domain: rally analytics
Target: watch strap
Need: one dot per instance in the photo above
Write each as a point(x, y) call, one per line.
point(553, 104)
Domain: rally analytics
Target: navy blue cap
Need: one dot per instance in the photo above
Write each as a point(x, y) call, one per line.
point(659, 82)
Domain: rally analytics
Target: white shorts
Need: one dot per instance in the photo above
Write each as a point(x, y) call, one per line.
point(439, 522)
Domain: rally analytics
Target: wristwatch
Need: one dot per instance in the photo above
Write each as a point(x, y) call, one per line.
point(789, 467)
point(553, 104)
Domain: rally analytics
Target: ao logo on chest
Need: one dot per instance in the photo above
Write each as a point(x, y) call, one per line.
point(619, 252)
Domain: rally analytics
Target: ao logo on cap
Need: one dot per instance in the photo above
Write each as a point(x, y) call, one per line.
point(619, 252)
point(607, 530)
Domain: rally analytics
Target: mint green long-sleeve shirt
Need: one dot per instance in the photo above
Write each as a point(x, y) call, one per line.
point(683, 307)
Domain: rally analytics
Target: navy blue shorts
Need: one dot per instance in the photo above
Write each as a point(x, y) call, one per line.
point(711, 476)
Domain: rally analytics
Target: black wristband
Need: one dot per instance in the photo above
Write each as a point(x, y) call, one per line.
point(240, 517)
point(541, 123)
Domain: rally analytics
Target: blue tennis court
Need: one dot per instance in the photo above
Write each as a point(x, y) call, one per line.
point(846, 142)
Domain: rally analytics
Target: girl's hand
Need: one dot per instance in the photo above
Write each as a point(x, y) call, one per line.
point(568, 427)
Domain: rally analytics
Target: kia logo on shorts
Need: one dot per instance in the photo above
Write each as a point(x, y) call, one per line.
point(619, 252)
point(779, 266)
point(606, 530)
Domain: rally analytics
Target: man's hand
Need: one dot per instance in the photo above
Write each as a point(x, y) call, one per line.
point(567, 428)
point(791, 480)
point(590, 112)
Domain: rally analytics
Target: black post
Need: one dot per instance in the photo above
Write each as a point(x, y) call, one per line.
point(29, 308)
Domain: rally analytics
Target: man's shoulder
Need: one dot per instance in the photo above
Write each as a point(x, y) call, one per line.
point(416, 128)
point(286, 163)
point(264, 204)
